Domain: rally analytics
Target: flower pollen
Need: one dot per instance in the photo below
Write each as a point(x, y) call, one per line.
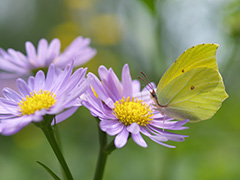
point(132, 110)
point(37, 101)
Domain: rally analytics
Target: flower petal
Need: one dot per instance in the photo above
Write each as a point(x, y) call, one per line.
point(11, 95)
point(13, 125)
point(39, 81)
point(126, 81)
point(66, 114)
point(139, 140)
point(121, 139)
point(23, 87)
point(136, 86)
point(50, 77)
point(42, 52)
point(31, 53)
point(111, 127)
point(53, 51)
point(133, 128)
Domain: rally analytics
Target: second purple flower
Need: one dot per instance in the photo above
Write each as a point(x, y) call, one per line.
point(15, 64)
point(124, 110)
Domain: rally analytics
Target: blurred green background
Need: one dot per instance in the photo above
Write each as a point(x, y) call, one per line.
point(148, 35)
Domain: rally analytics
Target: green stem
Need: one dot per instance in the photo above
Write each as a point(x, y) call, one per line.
point(104, 151)
point(49, 133)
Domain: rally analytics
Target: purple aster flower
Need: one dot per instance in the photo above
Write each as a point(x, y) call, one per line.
point(14, 64)
point(57, 94)
point(124, 110)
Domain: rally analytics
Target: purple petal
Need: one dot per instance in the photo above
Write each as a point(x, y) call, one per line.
point(111, 127)
point(139, 140)
point(11, 95)
point(136, 86)
point(7, 65)
point(98, 87)
point(144, 96)
point(50, 77)
point(112, 85)
point(63, 79)
point(23, 87)
point(172, 125)
point(166, 145)
point(77, 91)
point(93, 110)
point(53, 51)
point(8, 107)
point(77, 80)
point(31, 83)
point(159, 138)
point(96, 106)
point(77, 50)
point(133, 128)
point(84, 56)
point(42, 52)
point(38, 115)
point(31, 53)
point(116, 82)
point(126, 81)
point(9, 127)
point(59, 106)
point(66, 114)
point(39, 81)
point(150, 86)
point(121, 139)
point(16, 59)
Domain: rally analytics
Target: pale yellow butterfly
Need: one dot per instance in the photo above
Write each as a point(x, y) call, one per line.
point(192, 88)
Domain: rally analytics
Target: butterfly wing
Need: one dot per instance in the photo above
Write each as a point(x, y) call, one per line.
point(203, 55)
point(195, 95)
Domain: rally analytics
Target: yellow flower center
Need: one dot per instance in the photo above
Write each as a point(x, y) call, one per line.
point(130, 111)
point(37, 101)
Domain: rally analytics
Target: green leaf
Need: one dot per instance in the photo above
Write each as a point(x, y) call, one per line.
point(150, 4)
point(49, 171)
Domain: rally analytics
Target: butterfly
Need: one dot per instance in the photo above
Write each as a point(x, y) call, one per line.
point(192, 88)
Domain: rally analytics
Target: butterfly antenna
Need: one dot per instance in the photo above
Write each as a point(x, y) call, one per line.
point(139, 77)
point(147, 82)
point(149, 88)
point(145, 76)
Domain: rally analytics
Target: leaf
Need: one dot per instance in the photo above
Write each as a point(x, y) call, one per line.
point(49, 171)
point(150, 4)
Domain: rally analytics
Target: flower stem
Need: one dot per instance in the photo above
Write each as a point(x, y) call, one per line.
point(104, 151)
point(49, 133)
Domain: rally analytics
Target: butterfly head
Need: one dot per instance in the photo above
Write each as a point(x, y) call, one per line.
point(153, 95)
point(151, 89)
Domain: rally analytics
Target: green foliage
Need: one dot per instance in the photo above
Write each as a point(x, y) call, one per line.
point(150, 4)
point(49, 171)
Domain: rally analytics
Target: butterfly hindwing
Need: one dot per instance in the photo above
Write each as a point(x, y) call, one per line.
point(195, 95)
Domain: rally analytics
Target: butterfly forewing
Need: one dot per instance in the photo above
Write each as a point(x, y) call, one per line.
point(203, 55)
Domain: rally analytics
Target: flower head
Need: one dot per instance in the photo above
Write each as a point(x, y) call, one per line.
point(57, 94)
point(14, 64)
point(124, 110)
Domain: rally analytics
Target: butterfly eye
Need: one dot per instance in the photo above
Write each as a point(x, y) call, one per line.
point(153, 94)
